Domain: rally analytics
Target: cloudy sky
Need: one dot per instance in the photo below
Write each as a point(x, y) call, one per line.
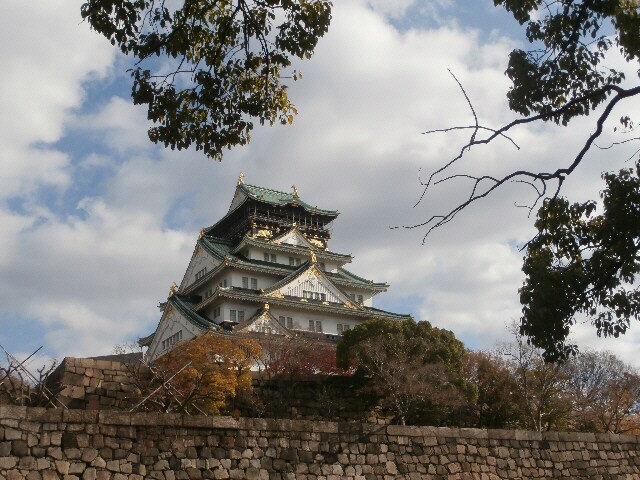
point(96, 221)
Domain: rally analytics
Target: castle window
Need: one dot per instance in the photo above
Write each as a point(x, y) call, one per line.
point(314, 295)
point(315, 326)
point(360, 299)
point(339, 328)
point(285, 321)
point(232, 315)
point(201, 273)
point(352, 296)
point(274, 258)
point(216, 312)
point(241, 315)
point(172, 340)
point(298, 261)
point(266, 257)
point(254, 283)
point(347, 327)
point(245, 282)
point(292, 261)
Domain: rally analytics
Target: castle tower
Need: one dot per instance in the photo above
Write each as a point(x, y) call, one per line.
point(266, 267)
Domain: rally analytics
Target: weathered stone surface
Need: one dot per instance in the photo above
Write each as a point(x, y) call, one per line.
point(136, 446)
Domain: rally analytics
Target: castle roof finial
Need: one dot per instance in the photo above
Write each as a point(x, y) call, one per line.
point(241, 178)
point(294, 191)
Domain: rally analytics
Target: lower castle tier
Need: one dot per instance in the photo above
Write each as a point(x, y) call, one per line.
point(265, 267)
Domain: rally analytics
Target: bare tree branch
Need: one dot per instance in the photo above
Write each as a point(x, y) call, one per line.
point(482, 186)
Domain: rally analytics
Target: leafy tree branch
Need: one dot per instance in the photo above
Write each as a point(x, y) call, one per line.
point(207, 68)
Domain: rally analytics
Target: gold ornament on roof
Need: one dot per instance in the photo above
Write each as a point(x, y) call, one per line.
point(241, 178)
point(201, 234)
point(266, 307)
point(316, 243)
point(313, 272)
point(312, 257)
point(173, 289)
point(351, 305)
point(264, 233)
point(276, 294)
point(294, 191)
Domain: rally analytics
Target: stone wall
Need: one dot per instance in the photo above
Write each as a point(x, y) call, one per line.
point(317, 397)
point(39, 444)
point(107, 383)
point(97, 383)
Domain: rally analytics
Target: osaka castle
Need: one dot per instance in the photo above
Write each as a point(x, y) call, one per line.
point(266, 268)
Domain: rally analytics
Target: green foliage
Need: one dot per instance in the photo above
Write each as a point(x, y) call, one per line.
point(416, 368)
point(581, 264)
point(571, 39)
point(218, 63)
point(431, 344)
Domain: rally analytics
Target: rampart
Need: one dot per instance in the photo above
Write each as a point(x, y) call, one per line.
point(46, 444)
point(111, 384)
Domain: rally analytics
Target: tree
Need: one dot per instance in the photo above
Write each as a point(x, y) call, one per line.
point(299, 356)
point(296, 373)
point(604, 392)
point(541, 386)
point(417, 368)
point(564, 76)
point(206, 68)
point(497, 400)
point(583, 264)
point(18, 386)
point(218, 370)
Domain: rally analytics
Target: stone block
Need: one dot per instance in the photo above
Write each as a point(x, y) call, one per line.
point(12, 434)
point(8, 462)
point(114, 418)
point(19, 448)
point(43, 415)
point(50, 475)
point(5, 449)
point(62, 467)
point(494, 434)
point(13, 412)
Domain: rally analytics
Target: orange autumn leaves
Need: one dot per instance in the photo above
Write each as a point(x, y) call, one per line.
point(218, 371)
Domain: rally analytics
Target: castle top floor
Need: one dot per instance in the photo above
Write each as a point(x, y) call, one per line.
point(260, 211)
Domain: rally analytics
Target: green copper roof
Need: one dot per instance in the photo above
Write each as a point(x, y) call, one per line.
point(275, 197)
point(298, 303)
point(297, 249)
point(346, 275)
point(187, 309)
point(217, 247)
point(222, 249)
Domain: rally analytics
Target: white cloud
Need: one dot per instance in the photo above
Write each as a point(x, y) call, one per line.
point(92, 278)
point(44, 67)
point(119, 124)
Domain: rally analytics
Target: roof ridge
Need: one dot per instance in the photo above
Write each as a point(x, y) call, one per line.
point(266, 188)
